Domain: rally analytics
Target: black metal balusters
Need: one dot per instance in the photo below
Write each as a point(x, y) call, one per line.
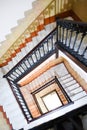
point(72, 38)
point(20, 100)
point(66, 36)
point(37, 55)
point(34, 58)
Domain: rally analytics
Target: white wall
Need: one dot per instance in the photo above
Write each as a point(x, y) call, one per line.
point(81, 72)
point(1, 73)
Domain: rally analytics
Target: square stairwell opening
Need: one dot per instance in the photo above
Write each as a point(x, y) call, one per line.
point(51, 96)
point(51, 100)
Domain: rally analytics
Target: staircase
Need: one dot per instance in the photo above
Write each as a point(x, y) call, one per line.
point(67, 78)
point(72, 36)
point(35, 20)
point(40, 53)
point(70, 85)
point(10, 106)
point(4, 122)
point(35, 46)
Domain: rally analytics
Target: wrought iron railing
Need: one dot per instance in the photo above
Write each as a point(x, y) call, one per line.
point(20, 100)
point(35, 57)
point(72, 37)
point(69, 35)
point(45, 17)
point(40, 53)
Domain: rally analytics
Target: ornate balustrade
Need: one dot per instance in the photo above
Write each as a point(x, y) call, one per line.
point(35, 57)
point(20, 100)
point(69, 35)
point(72, 37)
point(40, 53)
point(46, 17)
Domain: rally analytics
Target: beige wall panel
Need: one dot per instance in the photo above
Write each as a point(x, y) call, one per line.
point(80, 8)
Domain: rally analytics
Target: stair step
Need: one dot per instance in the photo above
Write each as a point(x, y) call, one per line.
point(3, 123)
point(61, 70)
point(9, 101)
point(65, 77)
point(78, 96)
point(72, 87)
point(65, 81)
point(18, 123)
point(6, 98)
point(50, 27)
point(35, 40)
point(69, 83)
point(10, 108)
point(42, 34)
point(75, 91)
point(15, 115)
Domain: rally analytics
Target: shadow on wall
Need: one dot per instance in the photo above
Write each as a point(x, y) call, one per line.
point(84, 120)
point(80, 8)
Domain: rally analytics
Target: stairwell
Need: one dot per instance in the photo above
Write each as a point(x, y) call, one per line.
point(10, 106)
point(70, 80)
point(29, 29)
point(22, 47)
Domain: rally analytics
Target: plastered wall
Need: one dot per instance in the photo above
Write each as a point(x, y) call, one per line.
point(80, 8)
